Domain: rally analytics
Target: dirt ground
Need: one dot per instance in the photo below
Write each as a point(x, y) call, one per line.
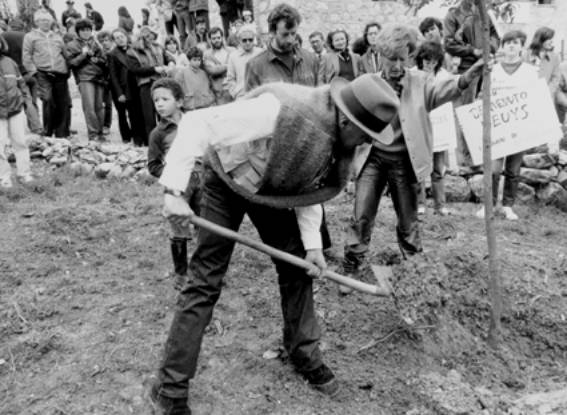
point(86, 302)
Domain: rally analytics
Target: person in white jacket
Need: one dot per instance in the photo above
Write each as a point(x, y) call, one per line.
point(511, 71)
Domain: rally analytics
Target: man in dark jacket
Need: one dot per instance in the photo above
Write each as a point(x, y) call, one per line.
point(88, 63)
point(70, 12)
point(94, 17)
point(124, 90)
point(43, 58)
point(283, 61)
point(14, 38)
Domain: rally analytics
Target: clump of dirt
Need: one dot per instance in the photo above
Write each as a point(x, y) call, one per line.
point(426, 287)
point(448, 295)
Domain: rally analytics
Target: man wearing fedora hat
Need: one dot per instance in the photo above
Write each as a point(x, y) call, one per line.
point(276, 155)
point(401, 155)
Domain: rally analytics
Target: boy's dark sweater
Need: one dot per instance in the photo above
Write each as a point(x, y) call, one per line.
point(161, 138)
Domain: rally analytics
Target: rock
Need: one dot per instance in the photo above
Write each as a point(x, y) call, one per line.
point(144, 176)
point(543, 403)
point(76, 168)
point(476, 185)
point(536, 176)
point(457, 189)
point(90, 156)
point(47, 152)
point(562, 178)
point(36, 154)
point(86, 169)
point(115, 172)
point(538, 161)
point(109, 148)
point(102, 170)
point(562, 158)
point(58, 160)
point(128, 172)
point(271, 354)
point(526, 193)
point(554, 194)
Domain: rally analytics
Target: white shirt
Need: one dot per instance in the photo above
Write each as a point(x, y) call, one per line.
point(236, 71)
point(226, 125)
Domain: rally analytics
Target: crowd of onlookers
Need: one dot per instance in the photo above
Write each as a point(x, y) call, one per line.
point(116, 68)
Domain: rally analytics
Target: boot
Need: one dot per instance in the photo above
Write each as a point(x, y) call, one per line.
point(179, 256)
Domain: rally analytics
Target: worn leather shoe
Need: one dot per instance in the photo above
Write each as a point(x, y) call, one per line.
point(323, 380)
point(162, 405)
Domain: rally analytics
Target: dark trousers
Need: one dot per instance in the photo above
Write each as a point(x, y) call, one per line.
point(437, 182)
point(512, 167)
point(381, 168)
point(53, 90)
point(130, 121)
point(30, 107)
point(107, 102)
point(207, 268)
point(183, 21)
point(92, 100)
point(148, 111)
point(170, 25)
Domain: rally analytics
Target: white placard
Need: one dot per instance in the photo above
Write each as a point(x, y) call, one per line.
point(443, 127)
point(521, 118)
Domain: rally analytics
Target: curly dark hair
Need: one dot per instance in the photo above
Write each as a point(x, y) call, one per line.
point(194, 52)
point(170, 84)
point(284, 12)
point(83, 24)
point(432, 51)
point(428, 23)
point(214, 30)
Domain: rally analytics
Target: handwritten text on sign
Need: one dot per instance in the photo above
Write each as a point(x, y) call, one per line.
point(521, 118)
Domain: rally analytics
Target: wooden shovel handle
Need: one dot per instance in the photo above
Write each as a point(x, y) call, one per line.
point(289, 258)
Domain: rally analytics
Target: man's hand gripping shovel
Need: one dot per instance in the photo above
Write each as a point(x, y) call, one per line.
point(179, 212)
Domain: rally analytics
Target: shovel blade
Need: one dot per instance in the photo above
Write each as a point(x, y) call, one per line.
point(383, 275)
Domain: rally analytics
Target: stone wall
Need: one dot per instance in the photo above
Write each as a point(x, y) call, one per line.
point(352, 15)
point(326, 15)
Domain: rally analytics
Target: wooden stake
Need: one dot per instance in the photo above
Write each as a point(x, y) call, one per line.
point(494, 283)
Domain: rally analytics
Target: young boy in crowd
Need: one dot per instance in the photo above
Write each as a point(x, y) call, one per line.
point(85, 57)
point(105, 39)
point(195, 82)
point(168, 95)
point(510, 71)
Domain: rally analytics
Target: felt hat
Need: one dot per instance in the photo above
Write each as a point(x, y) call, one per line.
point(368, 101)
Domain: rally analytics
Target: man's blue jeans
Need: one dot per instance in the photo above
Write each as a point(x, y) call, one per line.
point(381, 169)
point(208, 266)
point(92, 94)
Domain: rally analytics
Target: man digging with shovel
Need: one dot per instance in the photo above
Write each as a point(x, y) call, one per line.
point(276, 156)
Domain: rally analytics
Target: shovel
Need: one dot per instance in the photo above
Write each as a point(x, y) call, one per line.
point(382, 289)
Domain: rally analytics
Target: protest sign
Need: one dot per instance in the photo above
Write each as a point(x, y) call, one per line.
point(444, 131)
point(521, 118)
